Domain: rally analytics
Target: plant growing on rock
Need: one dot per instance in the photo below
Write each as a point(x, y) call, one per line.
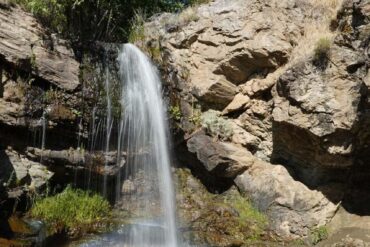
point(226, 219)
point(318, 234)
point(73, 210)
point(137, 30)
point(216, 125)
point(322, 53)
point(175, 113)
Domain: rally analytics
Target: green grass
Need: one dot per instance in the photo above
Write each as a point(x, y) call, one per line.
point(73, 210)
point(137, 30)
point(318, 234)
point(221, 218)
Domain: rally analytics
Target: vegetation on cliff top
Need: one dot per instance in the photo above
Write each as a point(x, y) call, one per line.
point(108, 20)
point(74, 211)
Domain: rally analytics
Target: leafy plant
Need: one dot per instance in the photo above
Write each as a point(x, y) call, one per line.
point(73, 210)
point(175, 112)
point(318, 234)
point(217, 125)
point(84, 20)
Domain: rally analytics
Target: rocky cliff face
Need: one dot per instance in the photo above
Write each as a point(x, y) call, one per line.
point(269, 96)
point(47, 97)
point(291, 120)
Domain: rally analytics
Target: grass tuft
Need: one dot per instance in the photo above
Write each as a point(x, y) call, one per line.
point(74, 211)
point(322, 52)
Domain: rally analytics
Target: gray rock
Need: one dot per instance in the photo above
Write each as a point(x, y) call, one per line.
point(24, 44)
point(221, 159)
point(293, 208)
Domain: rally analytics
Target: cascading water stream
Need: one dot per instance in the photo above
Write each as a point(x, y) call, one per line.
point(108, 127)
point(144, 138)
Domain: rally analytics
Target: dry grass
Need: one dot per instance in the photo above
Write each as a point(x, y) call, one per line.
point(333, 4)
point(187, 15)
point(316, 28)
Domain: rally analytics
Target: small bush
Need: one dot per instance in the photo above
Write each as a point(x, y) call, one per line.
point(216, 125)
point(322, 52)
point(73, 210)
point(318, 234)
point(175, 113)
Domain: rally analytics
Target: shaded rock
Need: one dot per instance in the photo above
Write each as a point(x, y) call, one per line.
point(221, 159)
point(25, 45)
point(75, 157)
point(242, 137)
point(216, 95)
point(292, 208)
point(319, 115)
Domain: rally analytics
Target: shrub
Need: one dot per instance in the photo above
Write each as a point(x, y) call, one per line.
point(216, 125)
point(85, 20)
point(322, 52)
point(73, 210)
point(175, 113)
point(318, 234)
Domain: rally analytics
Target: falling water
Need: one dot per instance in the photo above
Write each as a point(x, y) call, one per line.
point(143, 135)
point(108, 127)
point(43, 134)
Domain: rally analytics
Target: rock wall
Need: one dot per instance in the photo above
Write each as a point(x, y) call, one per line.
point(298, 118)
point(48, 94)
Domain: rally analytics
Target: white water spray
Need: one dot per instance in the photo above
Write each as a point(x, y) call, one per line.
point(144, 138)
point(108, 127)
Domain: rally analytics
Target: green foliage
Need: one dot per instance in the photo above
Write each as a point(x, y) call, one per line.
point(73, 210)
point(85, 20)
point(224, 219)
point(217, 125)
point(49, 11)
point(318, 234)
point(137, 30)
point(198, 2)
point(322, 52)
point(175, 113)
point(248, 213)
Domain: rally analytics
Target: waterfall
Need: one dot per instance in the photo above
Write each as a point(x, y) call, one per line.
point(143, 136)
point(108, 127)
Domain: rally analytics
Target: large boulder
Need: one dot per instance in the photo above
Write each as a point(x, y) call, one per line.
point(221, 159)
point(293, 208)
